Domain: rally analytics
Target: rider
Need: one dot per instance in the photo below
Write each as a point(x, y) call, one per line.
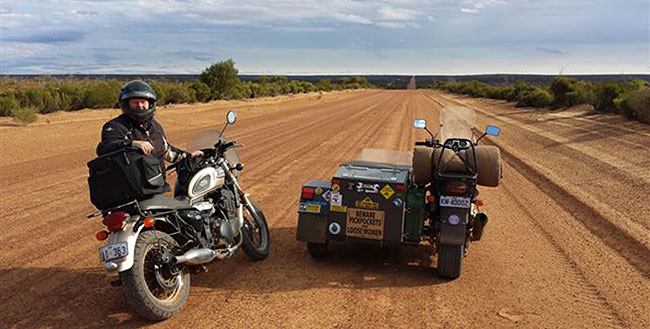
point(137, 127)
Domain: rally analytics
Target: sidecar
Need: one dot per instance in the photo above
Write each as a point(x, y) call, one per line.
point(371, 200)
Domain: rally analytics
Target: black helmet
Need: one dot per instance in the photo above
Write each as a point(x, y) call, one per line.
point(138, 89)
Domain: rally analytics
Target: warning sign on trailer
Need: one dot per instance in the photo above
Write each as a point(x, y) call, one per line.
point(365, 224)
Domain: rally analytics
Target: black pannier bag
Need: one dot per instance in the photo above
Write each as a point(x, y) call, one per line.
point(124, 175)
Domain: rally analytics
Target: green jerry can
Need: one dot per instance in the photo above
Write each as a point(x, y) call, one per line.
point(415, 213)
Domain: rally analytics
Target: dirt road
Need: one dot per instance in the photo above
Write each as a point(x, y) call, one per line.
point(567, 246)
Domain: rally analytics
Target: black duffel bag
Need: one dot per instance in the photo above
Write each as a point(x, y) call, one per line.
point(124, 175)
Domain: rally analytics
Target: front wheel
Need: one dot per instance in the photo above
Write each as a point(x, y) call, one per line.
point(450, 259)
point(255, 232)
point(155, 286)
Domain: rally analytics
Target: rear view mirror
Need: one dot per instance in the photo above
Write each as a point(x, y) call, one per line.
point(420, 123)
point(493, 130)
point(232, 117)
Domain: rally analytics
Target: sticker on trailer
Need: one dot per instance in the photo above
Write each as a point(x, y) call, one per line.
point(309, 207)
point(366, 203)
point(339, 208)
point(335, 187)
point(398, 202)
point(365, 224)
point(326, 195)
point(387, 192)
point(367, 188)
point(336, 199)
point(318, 190)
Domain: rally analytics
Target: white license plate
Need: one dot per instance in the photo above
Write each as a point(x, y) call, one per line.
point(454, 201)
point(113, 251)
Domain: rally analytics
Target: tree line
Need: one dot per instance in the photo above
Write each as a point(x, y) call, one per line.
point(630, 98)
point(23, 98)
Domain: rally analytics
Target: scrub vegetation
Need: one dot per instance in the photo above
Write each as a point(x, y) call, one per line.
point(23, 98)
point(630, 99)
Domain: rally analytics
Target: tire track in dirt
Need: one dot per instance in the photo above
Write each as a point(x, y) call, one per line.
point(632, 251)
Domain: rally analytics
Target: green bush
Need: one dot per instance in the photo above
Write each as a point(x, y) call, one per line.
point(570, 92)
point(8, 104)
point(25, 115)
point(534, 97)
point(201, 91)
point(637, 105)
point(221, 77)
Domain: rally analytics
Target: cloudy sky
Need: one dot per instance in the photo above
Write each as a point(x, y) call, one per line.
point(323, 36)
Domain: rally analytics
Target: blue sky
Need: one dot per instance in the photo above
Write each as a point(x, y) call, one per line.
point(321, 36)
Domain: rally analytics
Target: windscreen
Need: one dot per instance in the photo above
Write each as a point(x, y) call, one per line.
point(206, 140)
point(457, 122)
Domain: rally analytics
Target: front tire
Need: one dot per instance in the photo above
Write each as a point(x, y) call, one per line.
point(255, 233)
point(155, 287)
point(450, 260)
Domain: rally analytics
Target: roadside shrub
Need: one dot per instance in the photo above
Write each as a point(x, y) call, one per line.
point(570, 92)
point(535, 97)
point(201, 91)
point(221, 77)
point(637, 105)
point(8, 104)
point(25, 115)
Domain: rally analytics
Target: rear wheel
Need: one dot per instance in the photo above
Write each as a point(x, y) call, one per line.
point(317, 250)
point(255, 233)
point(450, 259)
point(155, 286)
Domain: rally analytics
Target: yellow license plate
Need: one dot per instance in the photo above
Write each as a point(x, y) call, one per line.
point(365, 224)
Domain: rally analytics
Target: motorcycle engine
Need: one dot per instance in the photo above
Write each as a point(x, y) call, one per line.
point(224, 226)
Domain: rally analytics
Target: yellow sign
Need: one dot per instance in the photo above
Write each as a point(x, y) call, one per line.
point(312, 208)
point(336, 187)
point(365, 224)
point(387, 192)
point(366, 203)
point(339, 208)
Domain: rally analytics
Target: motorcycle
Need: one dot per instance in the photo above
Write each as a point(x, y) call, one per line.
point(423, 198)
point(154, 245)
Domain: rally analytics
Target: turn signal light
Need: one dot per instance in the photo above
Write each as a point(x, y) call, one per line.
point(308, 193)
point(115, 220)
point(479, 203)
point(400, 187)
point(101, 235)
point(148, 222)
point(431, 198)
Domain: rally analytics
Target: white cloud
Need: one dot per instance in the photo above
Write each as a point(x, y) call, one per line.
point(396, 14)
point(351, 18)
point(469, 10)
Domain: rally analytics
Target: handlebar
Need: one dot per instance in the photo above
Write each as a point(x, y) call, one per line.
point(429, 143)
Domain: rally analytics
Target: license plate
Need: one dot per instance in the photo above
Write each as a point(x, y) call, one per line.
point(454, 201)
point(113, 251)
point(365, 224)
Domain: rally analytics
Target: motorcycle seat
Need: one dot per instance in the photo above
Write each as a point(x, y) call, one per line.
point(161, 202)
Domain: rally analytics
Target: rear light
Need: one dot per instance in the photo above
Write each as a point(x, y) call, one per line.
point(479, 203)
point(336, 181)
point(431, 198)
point(115, 220)
point(456, 188)
point(308, 193)
point(101, 235)
point(400, 187)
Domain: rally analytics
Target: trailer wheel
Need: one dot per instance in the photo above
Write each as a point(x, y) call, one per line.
point(450, 259)
point(317, 250)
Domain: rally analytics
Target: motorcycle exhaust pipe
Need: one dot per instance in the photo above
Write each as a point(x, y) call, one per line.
point(480, 221)
point(196, 256)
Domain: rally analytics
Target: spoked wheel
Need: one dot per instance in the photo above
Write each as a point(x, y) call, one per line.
point(256, 233)
point(156, 287)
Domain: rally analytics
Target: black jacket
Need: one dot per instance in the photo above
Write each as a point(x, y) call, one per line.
point(120, 132)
